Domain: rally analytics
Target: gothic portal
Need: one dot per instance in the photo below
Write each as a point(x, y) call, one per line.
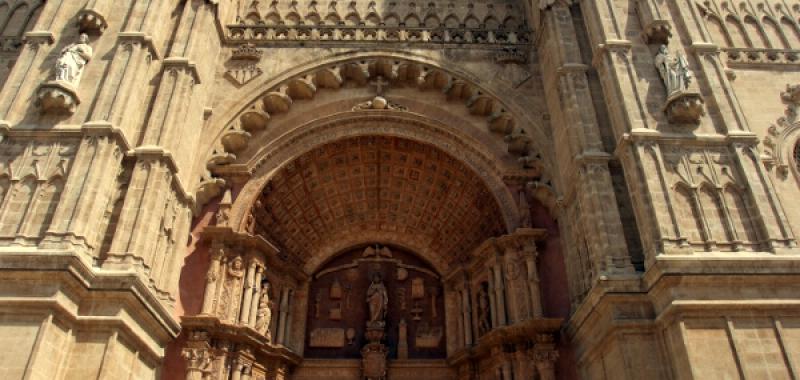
point(398, 189)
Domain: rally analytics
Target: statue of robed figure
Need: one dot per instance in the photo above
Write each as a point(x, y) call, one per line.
point(674, 71)
point(71, 61)
point(377, 299)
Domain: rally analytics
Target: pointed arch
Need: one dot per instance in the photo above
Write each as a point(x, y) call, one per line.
point(712, 213)
point(791, 32)
point(741, 218)
point(688, 216)
point(718, 33)
point(15, 24)
point(774, 35)
point(45, 206)
point(17, 207)
point(736, 32)
point(755, 33)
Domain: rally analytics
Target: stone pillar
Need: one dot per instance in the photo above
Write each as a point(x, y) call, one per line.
point(198, 356)
point(583, 163)
point(236, 369)
point(492, 299)
point(247, 293)
point(212, 277)
point(545, 356)
point(499, 289)
point(287, 332)
point(283, 314)
point(533, 279)
point(256, 298)
point(508, 367)
point(465, 309)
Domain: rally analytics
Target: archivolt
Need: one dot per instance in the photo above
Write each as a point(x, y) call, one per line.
point(347, 125)
point(523, 143)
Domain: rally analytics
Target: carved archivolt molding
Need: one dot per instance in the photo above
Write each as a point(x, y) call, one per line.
point(255, 117)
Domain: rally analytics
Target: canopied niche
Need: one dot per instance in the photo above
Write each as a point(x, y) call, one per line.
point(339, 308)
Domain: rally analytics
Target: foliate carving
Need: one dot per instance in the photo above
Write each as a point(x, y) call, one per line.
point(243, 66)
point(778, 142)
point(655, 29)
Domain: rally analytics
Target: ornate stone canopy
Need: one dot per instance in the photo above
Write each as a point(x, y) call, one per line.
point(369, 186)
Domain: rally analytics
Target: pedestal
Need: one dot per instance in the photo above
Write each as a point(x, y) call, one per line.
point(58, 97)
point(684, 108)
point(373, 362)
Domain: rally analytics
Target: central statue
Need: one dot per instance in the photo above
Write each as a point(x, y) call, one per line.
point(377, 299)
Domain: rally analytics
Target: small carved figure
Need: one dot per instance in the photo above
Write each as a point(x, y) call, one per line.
point(264, 314)
point(233, 289)
point(484, 323)
point(73, 58)
point(674, 71)
point(336, 290)
point(377, 299)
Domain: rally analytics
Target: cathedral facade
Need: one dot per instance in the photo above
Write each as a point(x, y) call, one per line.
point(391, 189)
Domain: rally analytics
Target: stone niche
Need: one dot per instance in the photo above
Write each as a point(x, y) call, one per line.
point(337, 308)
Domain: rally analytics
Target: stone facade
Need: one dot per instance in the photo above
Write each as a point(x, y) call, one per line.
point(544, 189)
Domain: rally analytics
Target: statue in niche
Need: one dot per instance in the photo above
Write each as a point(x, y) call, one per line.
point(264, 314)
point(484, 323)
point(233, 289)
point(73, 58)
point(377, 299)
point(674, 71)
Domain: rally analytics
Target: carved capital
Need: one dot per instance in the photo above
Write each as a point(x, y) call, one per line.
point(58, 97)
point(197, 358)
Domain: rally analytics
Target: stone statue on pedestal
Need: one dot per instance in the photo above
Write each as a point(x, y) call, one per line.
point(72, 60)
point(377, 299)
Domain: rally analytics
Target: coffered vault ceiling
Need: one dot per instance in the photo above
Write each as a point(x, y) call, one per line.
point(361, 186)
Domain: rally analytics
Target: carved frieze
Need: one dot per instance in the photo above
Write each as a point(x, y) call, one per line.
point(327, 338)
point(243, 65)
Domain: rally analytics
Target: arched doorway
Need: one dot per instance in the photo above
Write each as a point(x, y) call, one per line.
point(312, 191)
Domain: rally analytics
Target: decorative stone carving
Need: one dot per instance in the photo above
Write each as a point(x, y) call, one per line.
point(674, 71)
point(56, 96)
point(72, 60)
point(91, 20)
point(232, 289)
point(336, 290)
point(327, 338)
point(374, 362)
point(379, 103)
point(685, 108)
point(484, 316)
point(777, 143)
point(682, 106)
point(428, 336)
point(243, 66)
point(656, 30)
point(264, 314)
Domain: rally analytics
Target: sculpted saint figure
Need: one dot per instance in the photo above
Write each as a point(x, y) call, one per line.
point(264, 314)
point(674, 71)
point(484, 324)
point(377, 299)
point(73, 58)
